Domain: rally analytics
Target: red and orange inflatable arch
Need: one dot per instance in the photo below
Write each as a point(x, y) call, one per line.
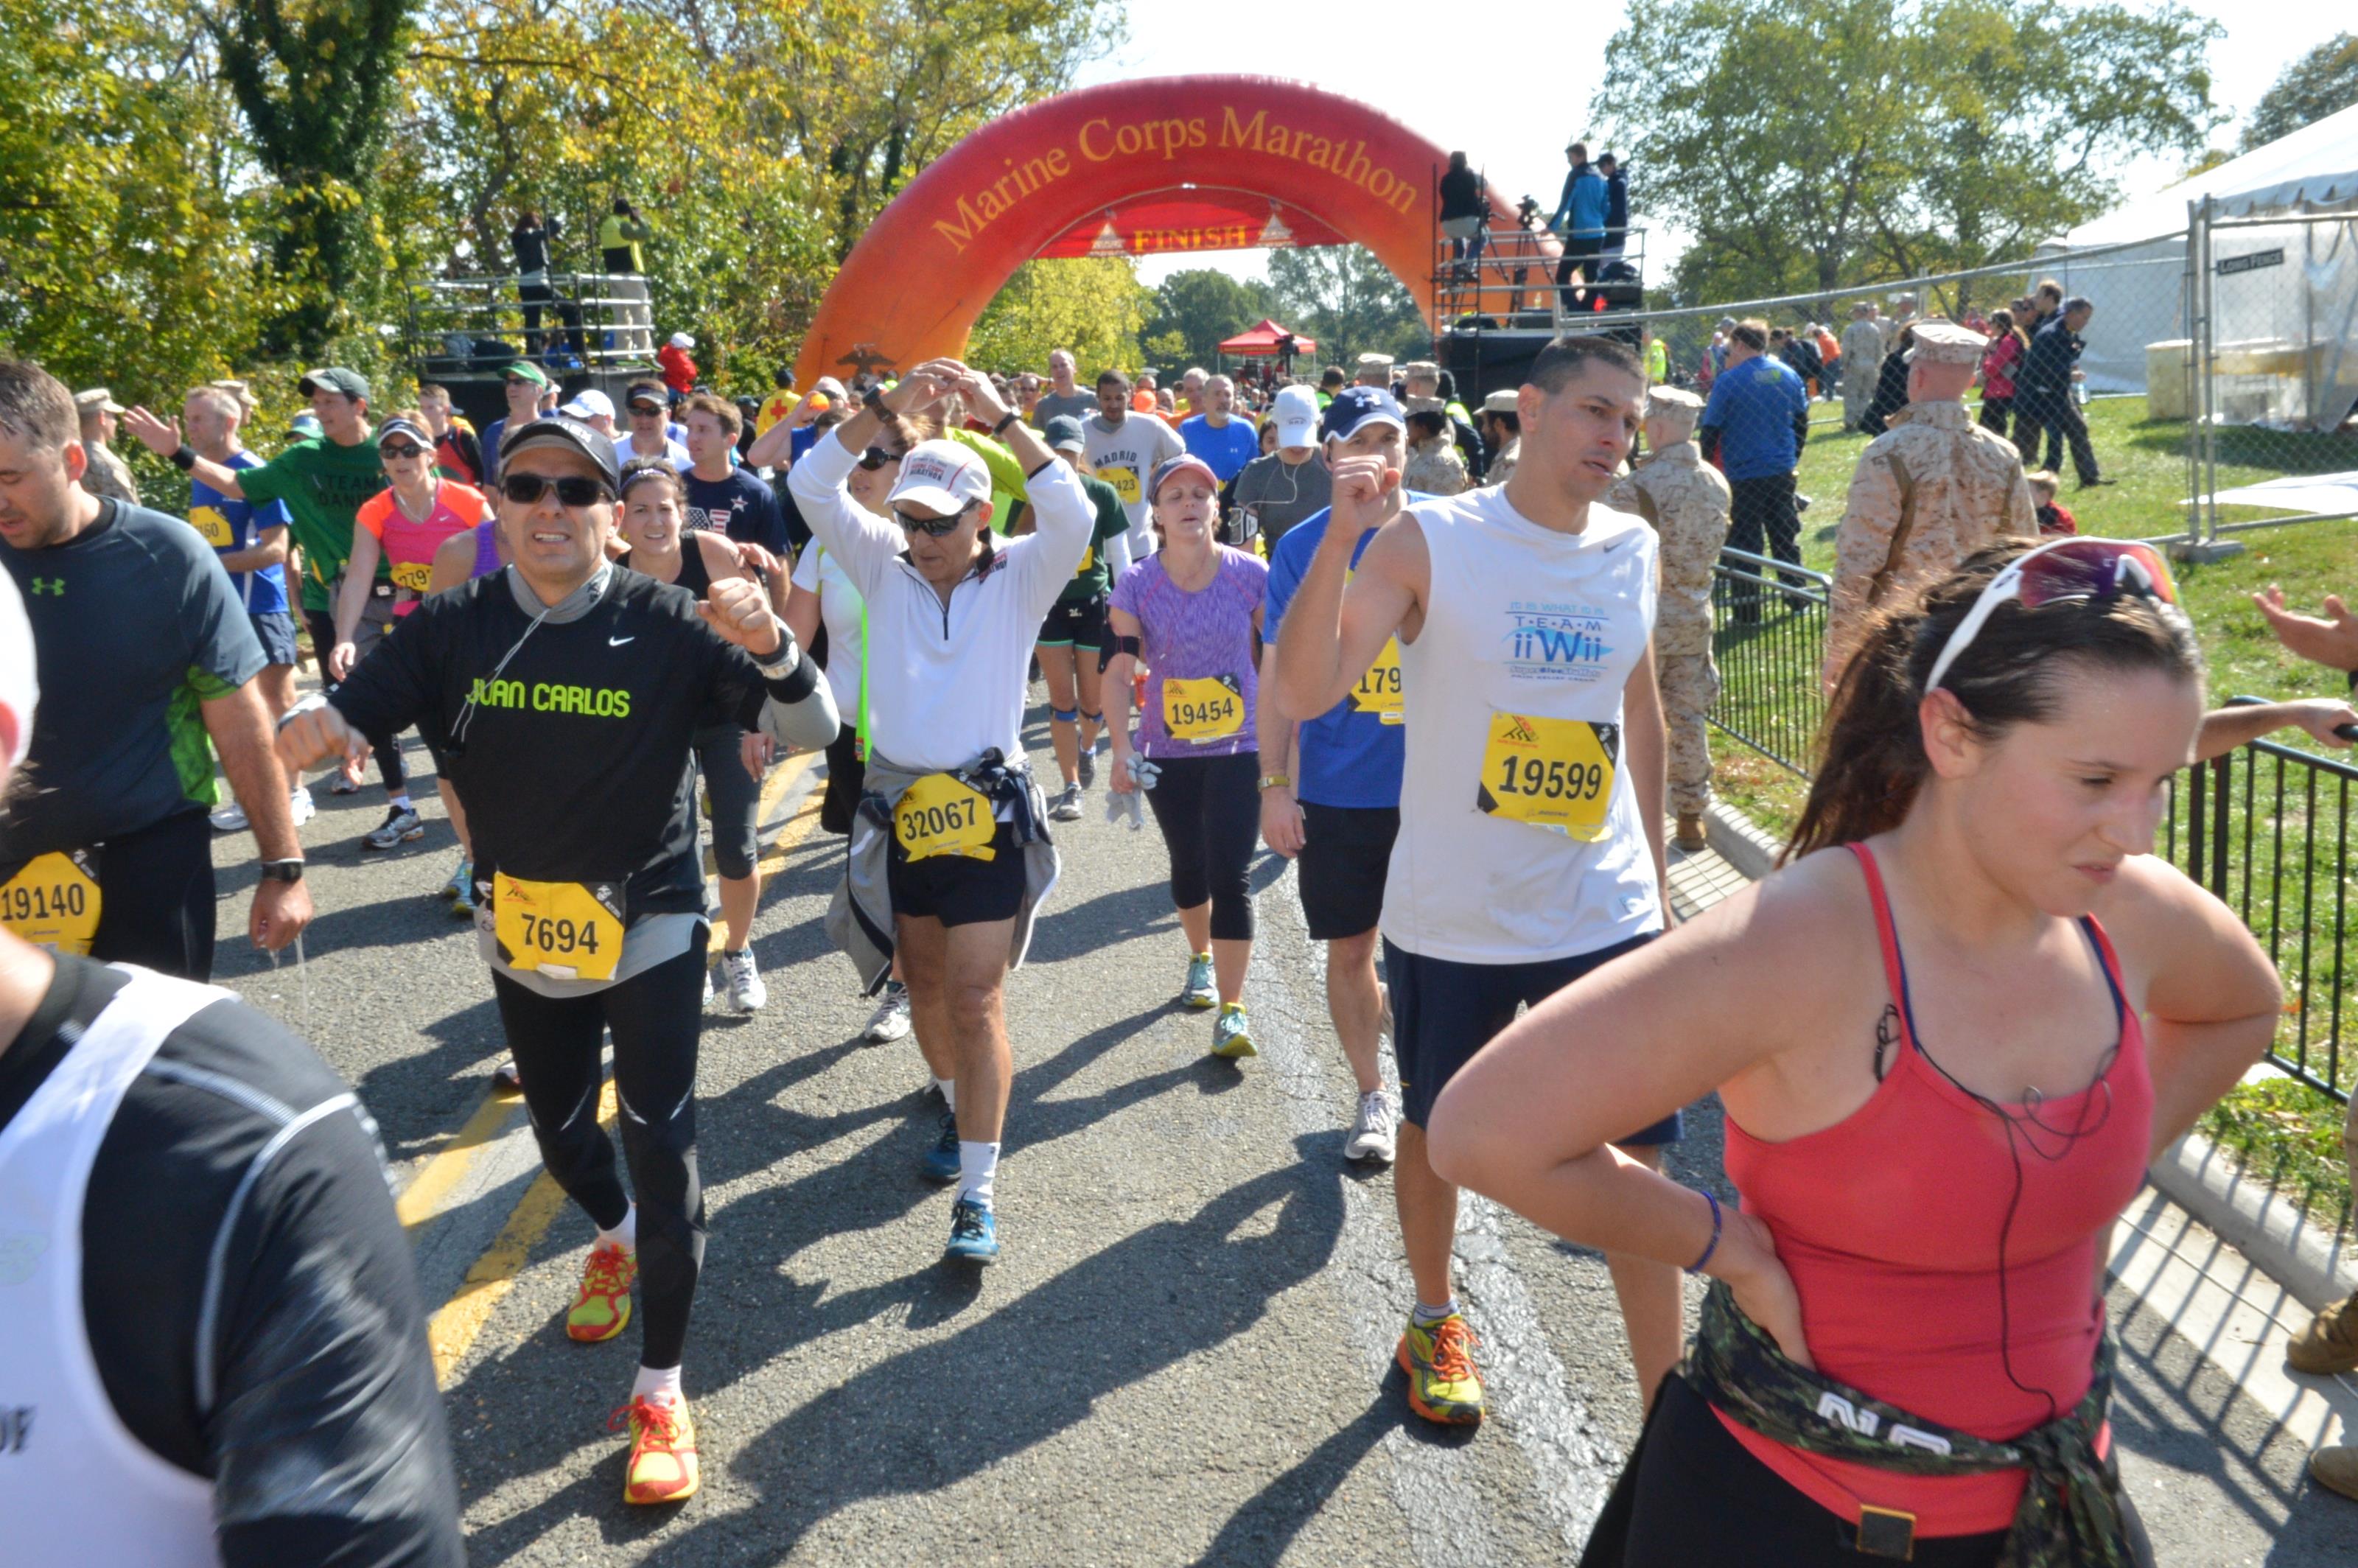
point(1218, 159)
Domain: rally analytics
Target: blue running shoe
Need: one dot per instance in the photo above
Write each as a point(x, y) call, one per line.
point(974, 1235)
point(941, 1161)
point(1200, 991)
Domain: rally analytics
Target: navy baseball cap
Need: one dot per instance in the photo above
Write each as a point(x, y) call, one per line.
point(1356, 406)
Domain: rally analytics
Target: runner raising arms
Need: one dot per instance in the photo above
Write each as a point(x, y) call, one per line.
point(1530, 841)
point(1075, 629)
point(949, 855)
point(566, 694)
point(1192, 613)
point(653, 507)
point(1933, 1134)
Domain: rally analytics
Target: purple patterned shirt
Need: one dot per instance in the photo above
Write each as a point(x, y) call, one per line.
point(1195, 636)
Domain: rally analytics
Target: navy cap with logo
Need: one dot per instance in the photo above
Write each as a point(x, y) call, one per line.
point(1356, 406)
point(575, 435)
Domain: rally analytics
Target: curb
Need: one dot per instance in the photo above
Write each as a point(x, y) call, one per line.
point(2280, 1238)
point(1740, 841)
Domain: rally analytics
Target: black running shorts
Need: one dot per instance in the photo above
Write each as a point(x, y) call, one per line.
point(1346, 850)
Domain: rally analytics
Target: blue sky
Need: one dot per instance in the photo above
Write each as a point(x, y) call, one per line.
point(1455, 91)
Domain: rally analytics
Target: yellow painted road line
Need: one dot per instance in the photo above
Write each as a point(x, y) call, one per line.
point(423, 1198)
point(452, 1331)
point(796, 828)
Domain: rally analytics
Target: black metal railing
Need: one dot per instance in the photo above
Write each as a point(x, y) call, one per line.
point(2267, 829)
point(1768, 638)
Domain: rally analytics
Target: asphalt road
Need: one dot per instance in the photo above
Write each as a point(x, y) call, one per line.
point(1184, 1355)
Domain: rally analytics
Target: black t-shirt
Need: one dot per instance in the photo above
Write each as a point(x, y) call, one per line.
point(135, 625)
point(742, 506)
point(573, 762)
point(324, 1437)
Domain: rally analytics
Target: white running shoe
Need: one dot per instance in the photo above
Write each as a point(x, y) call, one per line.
point(746, 991)
point(1371, 1133)
point(298, 801)
point(891, 1020)
point(230, 818)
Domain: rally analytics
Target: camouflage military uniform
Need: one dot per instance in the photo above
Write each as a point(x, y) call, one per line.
point(1862, 358)
point(1686, 501)
point(1434, 467)
point(1502, 466)
point(109, 475)
point(1929, 491)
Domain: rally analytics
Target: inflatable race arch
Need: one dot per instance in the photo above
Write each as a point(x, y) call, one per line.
point(1130, 169)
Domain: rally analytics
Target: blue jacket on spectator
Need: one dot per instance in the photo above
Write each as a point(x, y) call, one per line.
point(1616, 207)
point(1585, 201)
point(1755, 406)
point(2045, 379)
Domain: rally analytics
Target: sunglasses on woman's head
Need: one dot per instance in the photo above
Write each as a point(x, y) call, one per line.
point(934, 528)
point(2089, 570)
point(524, 489)
point(875, 458)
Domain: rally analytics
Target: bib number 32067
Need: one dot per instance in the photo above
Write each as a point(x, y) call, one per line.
point(941, 814)
point(567, 931)
point(1555, 774)
point(53, 902)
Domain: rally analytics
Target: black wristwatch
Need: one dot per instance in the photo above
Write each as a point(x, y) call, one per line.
point(1000, 427)
point(874, 403)
point(282, 870)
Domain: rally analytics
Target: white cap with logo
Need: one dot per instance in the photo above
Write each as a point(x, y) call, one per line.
point(590, 402)
point(942, 475)
point(1297, 417)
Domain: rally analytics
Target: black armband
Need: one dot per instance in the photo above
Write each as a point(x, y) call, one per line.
point(185, 457)
point(1114, 647)
point(1012, 418)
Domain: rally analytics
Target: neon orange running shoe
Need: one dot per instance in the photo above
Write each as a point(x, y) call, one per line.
point(1438, 1358)
point(662, 1450)
point(602, 1310)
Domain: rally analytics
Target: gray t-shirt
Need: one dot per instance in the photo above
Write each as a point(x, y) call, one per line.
point(1055, 404)
point(1125, 456)
point(1278, 494)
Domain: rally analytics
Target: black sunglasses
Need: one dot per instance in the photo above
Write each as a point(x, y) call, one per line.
point(875, 458)
point(934, 528)
point(524, 489)
point(519, 381)
point(407, 449)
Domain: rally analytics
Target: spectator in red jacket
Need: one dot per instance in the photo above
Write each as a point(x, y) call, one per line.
point(678, 369)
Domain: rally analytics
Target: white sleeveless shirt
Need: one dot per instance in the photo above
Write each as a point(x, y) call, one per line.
point(75, 1485)
point(1522, 620)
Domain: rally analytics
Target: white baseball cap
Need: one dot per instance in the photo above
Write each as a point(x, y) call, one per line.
point(942, 475)
point(1297, 417)
point(682, 340)
point(20, 684)
point(587, 403)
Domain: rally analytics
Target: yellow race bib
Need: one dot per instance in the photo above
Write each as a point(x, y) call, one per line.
point(1210, 708)
point(53, 902)
point(1378, 691)
point(1124, 482)
point(1088, 559)
point(209, 521)
point(1555, 774)
point(941, 814)
point(566, 930)
point(415, 576)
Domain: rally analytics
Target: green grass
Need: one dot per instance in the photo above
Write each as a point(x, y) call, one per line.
point(2288, 1136)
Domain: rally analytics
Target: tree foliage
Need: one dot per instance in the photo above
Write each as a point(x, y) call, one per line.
point(1810, 144)
point(2323, 82)
point(1347, 301)
point(1095, 306)
point(1196, 309)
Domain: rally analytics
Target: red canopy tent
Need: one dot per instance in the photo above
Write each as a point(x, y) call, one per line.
point(1262, 341)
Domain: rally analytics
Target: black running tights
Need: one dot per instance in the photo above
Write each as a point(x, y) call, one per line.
point(1209, 811)
point(655, 1016)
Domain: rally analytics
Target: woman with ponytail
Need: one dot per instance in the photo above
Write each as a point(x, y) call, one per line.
point(1948, 1034)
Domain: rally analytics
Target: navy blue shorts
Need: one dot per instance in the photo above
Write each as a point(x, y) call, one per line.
point(277, 630)
point(1443, 1012)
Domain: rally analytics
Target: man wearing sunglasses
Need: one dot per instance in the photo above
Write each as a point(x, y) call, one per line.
point(649, 407)
point(566, 695)
point(1929, 491)
point(526, 384)
point(949, 853)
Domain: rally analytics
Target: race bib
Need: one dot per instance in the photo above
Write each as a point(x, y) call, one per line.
point(1555, 774)
point(1378, 691)
point(415, 576)
point(53, 902)
point(1124, 482)
point(209, 521)
point(1088, 559)
point(567, 931)
point(940, 815)
point(1210, 708)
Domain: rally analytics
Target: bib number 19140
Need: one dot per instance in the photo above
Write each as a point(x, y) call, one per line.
point(1555, 774)
point(53, 902)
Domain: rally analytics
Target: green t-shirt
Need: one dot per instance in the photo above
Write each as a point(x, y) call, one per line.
point(1007, 490)
point(323, 485)
point(1113, 522)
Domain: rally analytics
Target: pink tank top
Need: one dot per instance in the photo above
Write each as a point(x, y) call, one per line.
point(409, 545)
point(1890, 1222)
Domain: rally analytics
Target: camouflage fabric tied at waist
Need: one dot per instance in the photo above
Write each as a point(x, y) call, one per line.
point(2069, 1517)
